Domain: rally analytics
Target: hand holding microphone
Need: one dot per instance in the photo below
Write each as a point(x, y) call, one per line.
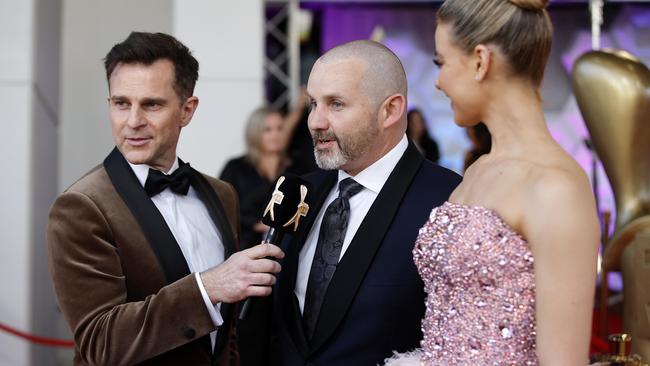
point(246, 273)
point(283, 213)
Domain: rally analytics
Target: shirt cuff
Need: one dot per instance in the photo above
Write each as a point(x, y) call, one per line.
point(213, 310)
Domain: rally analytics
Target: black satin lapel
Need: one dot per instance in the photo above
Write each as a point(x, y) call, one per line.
point(151, 222)
point(352, 268)
point(291, 311)
point(211, 201)
point(288, 301)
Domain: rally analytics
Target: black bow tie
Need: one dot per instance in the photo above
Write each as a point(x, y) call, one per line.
point(178, 181)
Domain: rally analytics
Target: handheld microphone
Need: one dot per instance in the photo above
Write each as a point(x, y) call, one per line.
point(283, 214)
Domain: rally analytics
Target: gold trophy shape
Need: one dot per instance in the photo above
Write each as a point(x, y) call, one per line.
point(301, 210)
point(613, 93)
point(276, 198)
point(287, 205)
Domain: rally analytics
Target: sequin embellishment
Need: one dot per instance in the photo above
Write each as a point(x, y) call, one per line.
point(479, 279)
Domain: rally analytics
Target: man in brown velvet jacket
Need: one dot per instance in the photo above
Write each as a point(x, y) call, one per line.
point(143, 248)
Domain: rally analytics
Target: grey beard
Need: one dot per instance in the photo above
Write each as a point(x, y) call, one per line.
point(347, 150)
point(330, 160)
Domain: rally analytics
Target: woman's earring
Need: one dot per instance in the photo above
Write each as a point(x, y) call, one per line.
point(477, 77)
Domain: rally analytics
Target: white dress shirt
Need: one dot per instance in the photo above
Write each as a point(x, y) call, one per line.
point(194, 231)
point(372, 179)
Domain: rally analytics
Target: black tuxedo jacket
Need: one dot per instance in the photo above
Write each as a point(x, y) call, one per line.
point(375, 301)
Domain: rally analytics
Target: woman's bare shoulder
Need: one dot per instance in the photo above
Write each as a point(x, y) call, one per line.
point(555, 173)
point(559, 198)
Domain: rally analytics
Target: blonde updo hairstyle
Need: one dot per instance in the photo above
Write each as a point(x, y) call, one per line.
point(521, 29)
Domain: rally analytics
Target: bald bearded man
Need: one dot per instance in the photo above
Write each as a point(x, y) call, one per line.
point(349, 292)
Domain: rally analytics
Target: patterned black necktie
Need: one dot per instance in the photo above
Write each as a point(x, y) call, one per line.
point(178, 181)
point(328, 249)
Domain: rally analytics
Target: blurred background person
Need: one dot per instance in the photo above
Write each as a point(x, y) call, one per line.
point(267, 136)
point(253, 173)
point(417, 131)
point(481, 141)
point(300, 147)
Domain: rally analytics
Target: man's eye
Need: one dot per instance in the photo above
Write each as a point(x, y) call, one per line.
point(152, 106)
point(337, 104)
point(437, 62)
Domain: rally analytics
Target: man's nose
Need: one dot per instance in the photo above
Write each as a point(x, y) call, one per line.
point(136, 117)
point(318, 119)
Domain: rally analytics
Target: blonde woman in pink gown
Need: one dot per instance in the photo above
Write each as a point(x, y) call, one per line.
point(509, 262)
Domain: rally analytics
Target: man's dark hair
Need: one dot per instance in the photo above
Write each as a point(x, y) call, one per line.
point(147, 48)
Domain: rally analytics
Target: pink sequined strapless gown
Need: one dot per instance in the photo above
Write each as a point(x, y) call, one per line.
point(478, 274)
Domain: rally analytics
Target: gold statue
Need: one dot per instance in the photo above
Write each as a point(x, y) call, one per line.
point(276, 198)
point(619, 353)
point(613, 92)
point(301, 211)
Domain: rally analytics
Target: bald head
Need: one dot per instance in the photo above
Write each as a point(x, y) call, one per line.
point(358, 100)
point(384, 74)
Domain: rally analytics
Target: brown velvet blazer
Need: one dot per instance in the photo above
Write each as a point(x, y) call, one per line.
point(121, 280)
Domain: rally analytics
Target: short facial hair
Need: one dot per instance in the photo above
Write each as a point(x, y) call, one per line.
point(348, 148)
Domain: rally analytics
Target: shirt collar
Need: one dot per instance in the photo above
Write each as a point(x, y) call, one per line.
point(374, 176)
point(142, 170)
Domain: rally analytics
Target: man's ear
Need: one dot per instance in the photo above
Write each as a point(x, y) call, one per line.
point(392, 110)
point(482, 62)
point(188, 109)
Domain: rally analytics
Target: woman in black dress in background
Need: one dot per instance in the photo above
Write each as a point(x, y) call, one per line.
point(417, 131)
point(481, 140)
point(252, 175)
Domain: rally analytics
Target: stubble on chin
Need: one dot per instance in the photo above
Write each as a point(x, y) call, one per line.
point(345, 150)
point(329, 159)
